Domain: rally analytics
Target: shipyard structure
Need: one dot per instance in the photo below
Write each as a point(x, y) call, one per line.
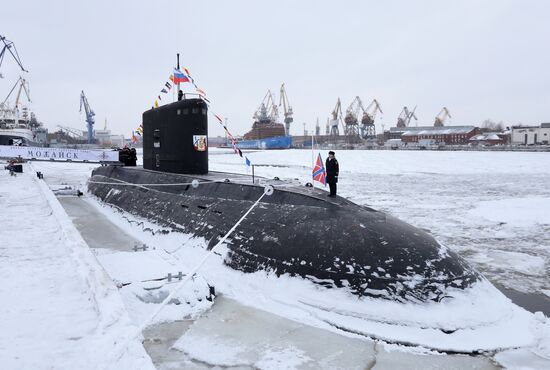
point(267, 132)
point(355, 128)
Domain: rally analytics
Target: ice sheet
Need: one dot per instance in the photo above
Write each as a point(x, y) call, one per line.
point(438, 191)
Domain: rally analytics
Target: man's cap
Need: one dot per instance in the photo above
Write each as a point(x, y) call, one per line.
point(331, 152)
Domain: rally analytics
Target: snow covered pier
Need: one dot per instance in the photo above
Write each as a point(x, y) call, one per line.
point(59, 310)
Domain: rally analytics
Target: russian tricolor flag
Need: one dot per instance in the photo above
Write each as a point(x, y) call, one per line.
point(179, 76)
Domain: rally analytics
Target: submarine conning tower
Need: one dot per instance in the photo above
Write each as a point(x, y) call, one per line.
point(175, 137)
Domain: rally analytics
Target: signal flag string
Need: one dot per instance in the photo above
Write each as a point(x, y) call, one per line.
point(234, 143)
point(186, 77)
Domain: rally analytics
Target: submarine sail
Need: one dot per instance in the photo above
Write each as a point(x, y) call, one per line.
point(175, 137)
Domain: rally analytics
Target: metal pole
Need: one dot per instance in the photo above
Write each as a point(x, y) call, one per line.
point(312, 163)
point(178, 92)
point(253, 174)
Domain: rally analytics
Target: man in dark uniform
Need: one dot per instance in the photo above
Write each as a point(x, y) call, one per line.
point(133, 157)
point(332, 173)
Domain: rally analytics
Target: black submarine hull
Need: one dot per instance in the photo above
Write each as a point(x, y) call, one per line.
point(296, 231)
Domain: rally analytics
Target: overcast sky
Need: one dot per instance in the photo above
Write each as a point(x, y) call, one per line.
point(481, 59)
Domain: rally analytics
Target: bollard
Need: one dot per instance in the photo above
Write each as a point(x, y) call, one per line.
point(136, 247)
point(179, 276)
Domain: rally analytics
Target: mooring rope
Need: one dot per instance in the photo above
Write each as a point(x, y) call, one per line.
point(195, 183)
point(124, 183)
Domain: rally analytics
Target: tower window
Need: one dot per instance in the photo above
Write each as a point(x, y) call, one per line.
point(156, 138)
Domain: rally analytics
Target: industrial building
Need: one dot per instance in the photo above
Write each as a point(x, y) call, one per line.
point(531, 135)
point(404, 119)
point(450, 135)
point(105, 138)
point(490, 138)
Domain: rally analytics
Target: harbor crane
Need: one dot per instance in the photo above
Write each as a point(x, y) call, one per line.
point(405, 117)
point(335, 119)
point(287, 109)
point(441, 117)
point(23, 86)
point(267, 112)
point(368, 129)
point(9, 46)
point(4, 106)
point(90, 120)
point(351, 119)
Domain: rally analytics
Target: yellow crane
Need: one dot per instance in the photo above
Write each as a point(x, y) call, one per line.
point(441, 117)
point(4, 106)
point(368, 129)
point(287, 109)
point(267, 112)
point(405, 117)
point(335, 119)
point(351, 119)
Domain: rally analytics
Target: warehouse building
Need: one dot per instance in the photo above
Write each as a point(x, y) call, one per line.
point(450, 135)
point(489, 138)
point(531, 135)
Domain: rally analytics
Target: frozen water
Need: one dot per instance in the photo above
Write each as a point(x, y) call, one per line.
point(521, 359)
point(98, 234)
point(242, 336)
point(519, 212)
point(390, 360)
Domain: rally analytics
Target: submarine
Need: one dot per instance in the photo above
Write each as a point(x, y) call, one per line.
point(289, 249)
point(297, 231)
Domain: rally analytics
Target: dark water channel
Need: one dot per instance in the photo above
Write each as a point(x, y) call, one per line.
point(532, 302)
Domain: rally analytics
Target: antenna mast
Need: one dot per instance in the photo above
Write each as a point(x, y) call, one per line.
point(178, 67)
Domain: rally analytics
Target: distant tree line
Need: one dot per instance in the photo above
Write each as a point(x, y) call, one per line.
point(491, 126)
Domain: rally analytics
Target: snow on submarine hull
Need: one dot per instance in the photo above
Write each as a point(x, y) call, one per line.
point(296, 231)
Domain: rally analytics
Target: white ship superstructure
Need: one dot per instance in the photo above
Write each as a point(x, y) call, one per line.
point(17, 124)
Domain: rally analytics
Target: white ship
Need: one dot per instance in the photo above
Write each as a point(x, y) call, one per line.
point(18, 126)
